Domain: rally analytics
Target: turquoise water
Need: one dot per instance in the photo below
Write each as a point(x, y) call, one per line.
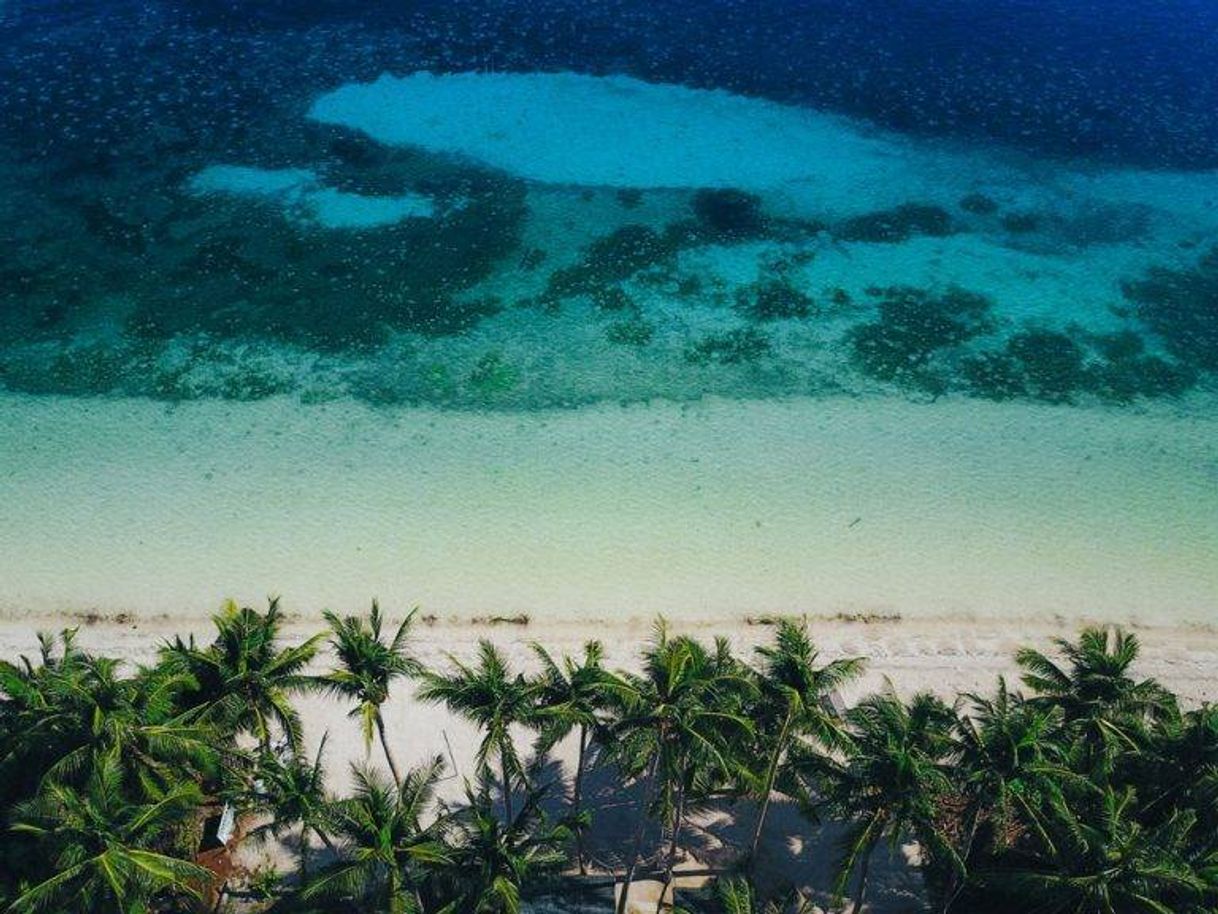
point(417, 212)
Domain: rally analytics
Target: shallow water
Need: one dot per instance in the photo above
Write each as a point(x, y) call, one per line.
point(928, 273)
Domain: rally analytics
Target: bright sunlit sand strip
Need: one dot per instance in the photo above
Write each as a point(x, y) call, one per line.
point(713, 510)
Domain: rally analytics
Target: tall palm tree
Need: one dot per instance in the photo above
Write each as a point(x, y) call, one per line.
point(293, 792)
point(889, 784)
point(1101, 702)
point(490, 862)
point(573, 695)
point(679, 720)
point(495, 698)
point(68, 712)
point(387, 848)
point(106, 852)
point(1103, 861)
point(244, 680)
point(1011, 769)
point(368, 668)
point(795, 705)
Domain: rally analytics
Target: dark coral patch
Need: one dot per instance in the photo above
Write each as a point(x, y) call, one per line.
point(1182, 307)
point(895, 225)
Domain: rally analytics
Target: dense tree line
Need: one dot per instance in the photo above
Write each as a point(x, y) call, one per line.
point(1083, 790)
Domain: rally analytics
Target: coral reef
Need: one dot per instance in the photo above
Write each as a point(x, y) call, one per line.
point(731, 347)
point(725, 214)
point(895, 225)
point(616, 256)
point(1058, 367)
point(914, 328)
point(1182, 307)
point(635, 331)
point(773, 299)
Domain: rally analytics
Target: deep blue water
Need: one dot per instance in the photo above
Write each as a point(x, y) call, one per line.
point(109, 108)
point(1129, 82)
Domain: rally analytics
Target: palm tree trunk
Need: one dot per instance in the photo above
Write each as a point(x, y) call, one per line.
point(304, 854)
point(956, 881)
point(380, 729)
point(576, 800)
point(324, 839)
point(674, 844)
point(858, 901)
point(507, 788)
point(770, 778)
point(639, 831)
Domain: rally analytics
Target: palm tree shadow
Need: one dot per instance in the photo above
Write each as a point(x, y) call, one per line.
point(798, 855)
point(610, 802)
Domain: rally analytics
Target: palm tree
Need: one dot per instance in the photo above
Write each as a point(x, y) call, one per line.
point(368, 668)
point(293, 791)
point(107, 853)
point(68, 712)
point(1100, 702)
point(490, 861)
point(889, 784)
point(388, 848)
point(573, 696)
point(795, 700)
point(494, 698)
point(1181, 771)
point(1011, 769)
point(244, 679)
point(738, 896)
point(1106, 862)
point(678, 720)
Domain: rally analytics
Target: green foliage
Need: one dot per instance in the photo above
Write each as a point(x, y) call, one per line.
point(292, 792)
point(489, 863)
point(388, 847)
point(105, 852)
point(243, 680)
point(367, 668)
point(495, 698)
point(891, 783)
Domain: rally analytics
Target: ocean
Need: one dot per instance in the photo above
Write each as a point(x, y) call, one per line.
point(602, 310)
